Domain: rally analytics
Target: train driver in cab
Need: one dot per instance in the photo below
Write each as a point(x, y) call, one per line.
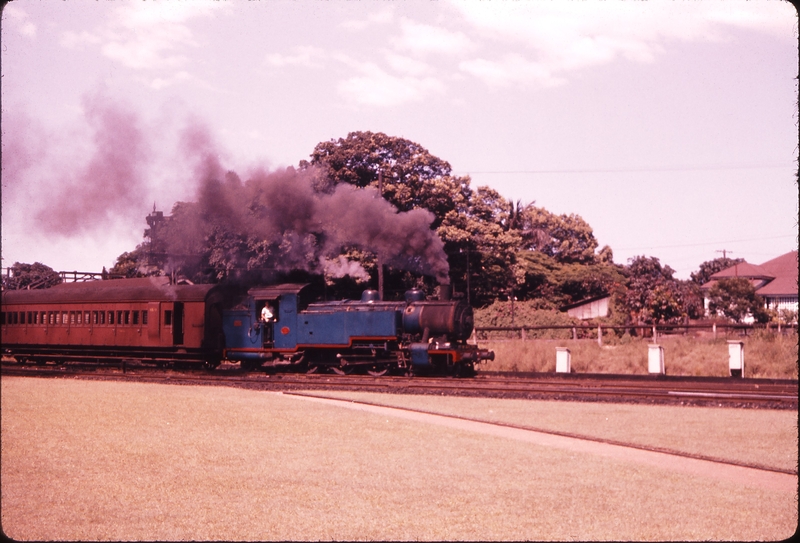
point(266, 314)
point(267, 318)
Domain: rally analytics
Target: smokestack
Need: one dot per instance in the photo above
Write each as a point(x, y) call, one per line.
point(445, 292)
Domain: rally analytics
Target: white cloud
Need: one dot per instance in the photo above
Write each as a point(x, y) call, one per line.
point(376, 87)
point(307, 56)
point(509, 70)
point(407, 65)
point(19, 20)
point(151, 35)
point(379, 18)
point(73, 40)
point(423, 38)
point(162, 83)
point(557, 37)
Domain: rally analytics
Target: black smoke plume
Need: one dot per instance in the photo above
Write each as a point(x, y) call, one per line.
point(278, 221)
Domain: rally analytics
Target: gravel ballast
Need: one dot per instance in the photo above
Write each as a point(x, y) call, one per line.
point(84, 460)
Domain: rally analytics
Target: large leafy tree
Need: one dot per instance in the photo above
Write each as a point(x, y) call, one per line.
point(735, 298)
point(710, 267)
point(562, 284)
point(31, 276)
point(275, 222)
point(653, 295)
point(567, 238)
point(412, 176)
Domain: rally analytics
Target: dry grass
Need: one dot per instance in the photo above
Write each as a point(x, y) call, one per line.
point(118, 461)
point(766, 356)
point(755, 436)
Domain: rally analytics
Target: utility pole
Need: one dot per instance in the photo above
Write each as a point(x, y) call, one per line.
point(725, 255)
point(380, 260)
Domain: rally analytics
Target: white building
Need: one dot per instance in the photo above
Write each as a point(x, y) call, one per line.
point(774, 280)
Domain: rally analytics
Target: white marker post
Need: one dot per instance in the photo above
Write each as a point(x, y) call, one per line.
point(736, 358)
point(655, 359)
point(563, 362)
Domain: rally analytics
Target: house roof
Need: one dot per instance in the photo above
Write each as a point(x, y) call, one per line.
point(744, 269)
point(785, 270)
point(780, 274)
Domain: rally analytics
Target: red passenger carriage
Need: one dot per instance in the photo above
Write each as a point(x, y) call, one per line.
point(147, 319)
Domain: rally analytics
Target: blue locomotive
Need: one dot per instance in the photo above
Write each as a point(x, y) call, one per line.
point(415, 335)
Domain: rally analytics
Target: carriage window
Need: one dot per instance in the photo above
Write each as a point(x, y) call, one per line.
point(2, 317)
point(64, 318)
point(95, 317)
point(86, 317)
point(35, 317)
point(135, 317)
point(72, 317)
point(30, 317)
point(79, 317)
point(144, 318)
point(110, 317)
point(127, 317)
point(168, 318)
point(119, 318)
point(102, 316)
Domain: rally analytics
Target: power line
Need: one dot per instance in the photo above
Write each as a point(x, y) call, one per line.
point(626, 170)
point(701, 244)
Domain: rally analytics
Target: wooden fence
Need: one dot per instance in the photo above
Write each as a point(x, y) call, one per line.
point(483, 333)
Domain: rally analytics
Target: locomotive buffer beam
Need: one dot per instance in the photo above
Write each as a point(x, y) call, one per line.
point(478, 355)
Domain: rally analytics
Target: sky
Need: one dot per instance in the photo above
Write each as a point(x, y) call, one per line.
point(670, 127)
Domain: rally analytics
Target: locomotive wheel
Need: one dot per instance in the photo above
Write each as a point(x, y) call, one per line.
point(312, 369)
point(342, 370)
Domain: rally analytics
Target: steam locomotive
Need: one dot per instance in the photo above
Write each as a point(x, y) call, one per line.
point(153, 320)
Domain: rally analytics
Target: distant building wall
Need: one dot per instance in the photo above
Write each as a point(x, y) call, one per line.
point(590, 310)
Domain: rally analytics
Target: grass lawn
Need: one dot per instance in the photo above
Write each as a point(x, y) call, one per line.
point(755, 436)
point(86, 460)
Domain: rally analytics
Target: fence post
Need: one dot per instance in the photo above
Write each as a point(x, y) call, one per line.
point(714, 330)
point(522, 330)
point(655, 334)
point(599, 336)
point(574, 333)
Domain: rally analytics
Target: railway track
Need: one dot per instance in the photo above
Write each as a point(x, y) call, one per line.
point(711, 391)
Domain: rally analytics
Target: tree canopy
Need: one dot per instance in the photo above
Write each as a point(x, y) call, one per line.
point(735, 298)
point(329, 221)
point(710, 267)
point(30, 276)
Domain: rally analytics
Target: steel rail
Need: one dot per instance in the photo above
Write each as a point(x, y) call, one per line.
point(719, 393)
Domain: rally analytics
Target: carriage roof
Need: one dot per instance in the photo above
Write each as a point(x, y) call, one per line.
point(145, 289)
